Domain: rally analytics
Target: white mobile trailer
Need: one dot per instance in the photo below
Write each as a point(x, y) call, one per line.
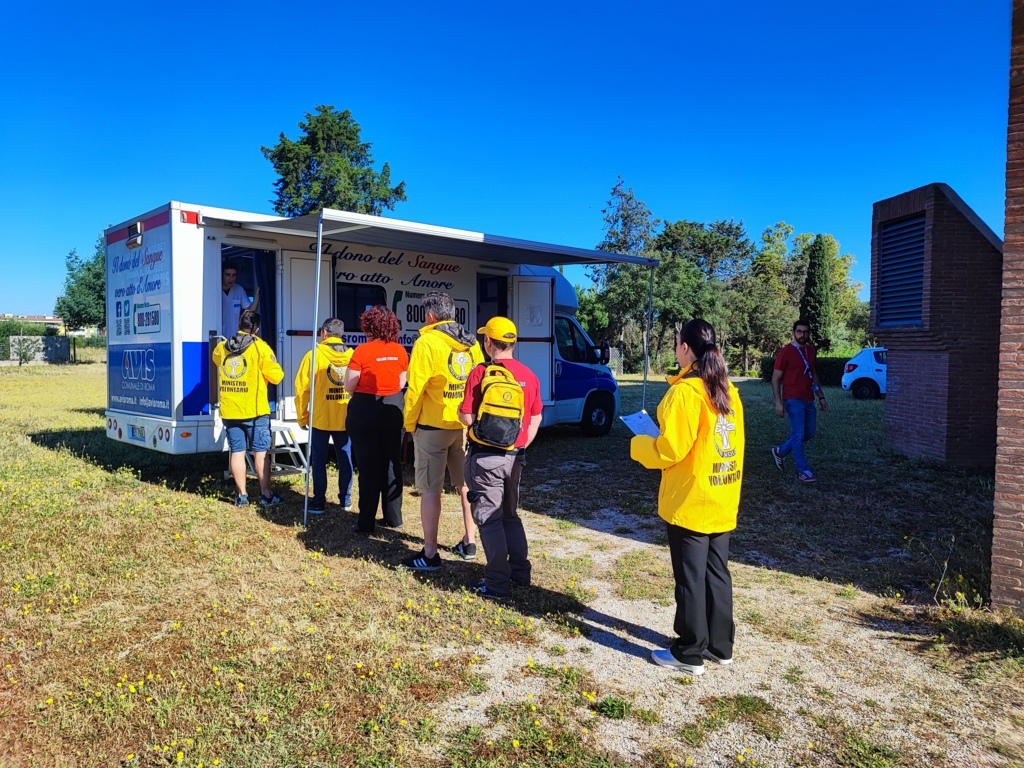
point(164, 308)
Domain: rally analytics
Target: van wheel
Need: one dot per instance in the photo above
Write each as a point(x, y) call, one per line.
point(864, 389)
point(598, 414)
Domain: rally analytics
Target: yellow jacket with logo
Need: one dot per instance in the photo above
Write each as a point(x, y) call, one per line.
point(245, 365)
point(439, 365)
point(700, 454)
point(331, 405)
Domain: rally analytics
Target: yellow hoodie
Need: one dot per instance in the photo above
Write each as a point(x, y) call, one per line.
point(331, 407)
point(700, 453)
point(245, 365)
point(439, 365)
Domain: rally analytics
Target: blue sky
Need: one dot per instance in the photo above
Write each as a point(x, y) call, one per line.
point(510, 119)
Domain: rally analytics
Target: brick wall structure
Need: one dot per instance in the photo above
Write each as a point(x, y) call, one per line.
point(1008, 523)
point(941, 382)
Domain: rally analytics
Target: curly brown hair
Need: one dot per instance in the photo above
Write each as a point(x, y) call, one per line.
point(379, 322)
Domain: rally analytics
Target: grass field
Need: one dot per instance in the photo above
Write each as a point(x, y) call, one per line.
point(146, 621)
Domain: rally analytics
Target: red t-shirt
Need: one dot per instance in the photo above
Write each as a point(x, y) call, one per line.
point(380, 365)
point(532, 404)
point(796, 383)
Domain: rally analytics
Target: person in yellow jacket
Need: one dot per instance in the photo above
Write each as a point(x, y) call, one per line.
point(439, 366)
point(245, 365)
point(330, 408)
point(700, 454)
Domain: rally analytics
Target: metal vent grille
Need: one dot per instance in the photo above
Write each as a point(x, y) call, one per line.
point(901, 272)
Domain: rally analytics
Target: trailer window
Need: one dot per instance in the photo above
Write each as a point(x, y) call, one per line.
point(352, 299)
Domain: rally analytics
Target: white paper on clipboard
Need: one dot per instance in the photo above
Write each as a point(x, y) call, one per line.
point(641, 423)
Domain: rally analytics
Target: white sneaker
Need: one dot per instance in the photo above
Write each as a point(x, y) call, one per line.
point(709, 655)
point(666, 659)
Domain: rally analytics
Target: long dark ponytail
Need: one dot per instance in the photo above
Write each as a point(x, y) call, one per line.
point(699, 336)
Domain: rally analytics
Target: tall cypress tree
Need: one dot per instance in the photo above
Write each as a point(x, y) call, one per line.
point(816, 305)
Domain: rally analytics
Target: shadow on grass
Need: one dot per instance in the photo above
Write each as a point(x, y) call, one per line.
point(90, 411)
point(334, 534)
point(971, 635)
point(874, 519)
point(194, 473)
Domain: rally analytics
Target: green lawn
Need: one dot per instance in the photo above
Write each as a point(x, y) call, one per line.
point(146, 621)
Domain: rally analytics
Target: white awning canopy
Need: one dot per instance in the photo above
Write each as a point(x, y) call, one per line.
point(427, 238)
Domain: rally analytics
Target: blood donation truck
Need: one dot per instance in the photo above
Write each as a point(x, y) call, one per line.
point(165, 301)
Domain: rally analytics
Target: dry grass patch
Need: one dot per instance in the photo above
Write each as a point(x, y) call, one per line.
point(753, 712)
point(639, 576)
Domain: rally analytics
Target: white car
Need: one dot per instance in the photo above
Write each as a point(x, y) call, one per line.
point(864, 373)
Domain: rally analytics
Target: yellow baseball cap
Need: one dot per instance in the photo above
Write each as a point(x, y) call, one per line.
point(499, 329)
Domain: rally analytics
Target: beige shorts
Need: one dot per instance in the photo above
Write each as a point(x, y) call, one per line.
point(436, 449)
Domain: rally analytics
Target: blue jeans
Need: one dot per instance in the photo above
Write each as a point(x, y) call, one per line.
point(318, 439)
point(802, 422)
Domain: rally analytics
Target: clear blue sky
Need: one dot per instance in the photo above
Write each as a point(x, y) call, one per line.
point(510, 119)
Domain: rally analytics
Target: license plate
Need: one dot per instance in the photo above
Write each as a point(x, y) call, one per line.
point(137, 433)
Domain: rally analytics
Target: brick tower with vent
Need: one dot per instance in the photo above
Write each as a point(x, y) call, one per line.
point(936, 279)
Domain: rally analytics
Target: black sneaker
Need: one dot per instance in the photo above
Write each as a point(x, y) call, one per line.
point(480, 587)
point(272, 501)
point(465, 551)
point(421, 562)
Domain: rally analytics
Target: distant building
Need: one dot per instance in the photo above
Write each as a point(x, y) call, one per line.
point(52, 321)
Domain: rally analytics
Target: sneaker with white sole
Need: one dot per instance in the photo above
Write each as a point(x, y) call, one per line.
point(421, 562)
point(806, 477)
point(465, 551)
point(241, 500)
point(717, 659)
point(780, 460)
point(315, 510)
point(666, 659)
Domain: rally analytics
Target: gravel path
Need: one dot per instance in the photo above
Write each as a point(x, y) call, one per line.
point(811, 649)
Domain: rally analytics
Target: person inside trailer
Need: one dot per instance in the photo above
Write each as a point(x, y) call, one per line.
point(235, 298)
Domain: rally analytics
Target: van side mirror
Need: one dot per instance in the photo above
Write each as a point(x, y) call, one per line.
point(602, 355)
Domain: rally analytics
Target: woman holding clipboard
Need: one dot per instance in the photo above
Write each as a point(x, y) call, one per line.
point(699, 451)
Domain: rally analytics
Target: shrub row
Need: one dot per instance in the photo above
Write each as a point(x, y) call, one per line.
point(10, 328)
point(830, 370)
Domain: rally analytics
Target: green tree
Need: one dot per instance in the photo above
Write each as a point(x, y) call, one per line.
point(771, 260)
point(719, 249)
point(85, 289)
point(330, 166)
point(591, 313)
point(757, 318)
point(817, 304)
point(623, 289)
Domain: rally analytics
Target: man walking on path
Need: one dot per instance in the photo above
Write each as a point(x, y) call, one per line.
point(441, 361)
point(329, 413)
point(795, 385)
point(245, 365)
point(493, 474)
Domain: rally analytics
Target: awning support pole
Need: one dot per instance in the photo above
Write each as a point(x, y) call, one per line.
point(312, 362)
point(649, 322)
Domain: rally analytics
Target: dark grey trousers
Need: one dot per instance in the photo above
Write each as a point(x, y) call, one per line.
point(700, 564)
point(493, 482)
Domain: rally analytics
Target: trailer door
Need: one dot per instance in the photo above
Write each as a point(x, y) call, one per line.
point(533, 312)
point(297, 314)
